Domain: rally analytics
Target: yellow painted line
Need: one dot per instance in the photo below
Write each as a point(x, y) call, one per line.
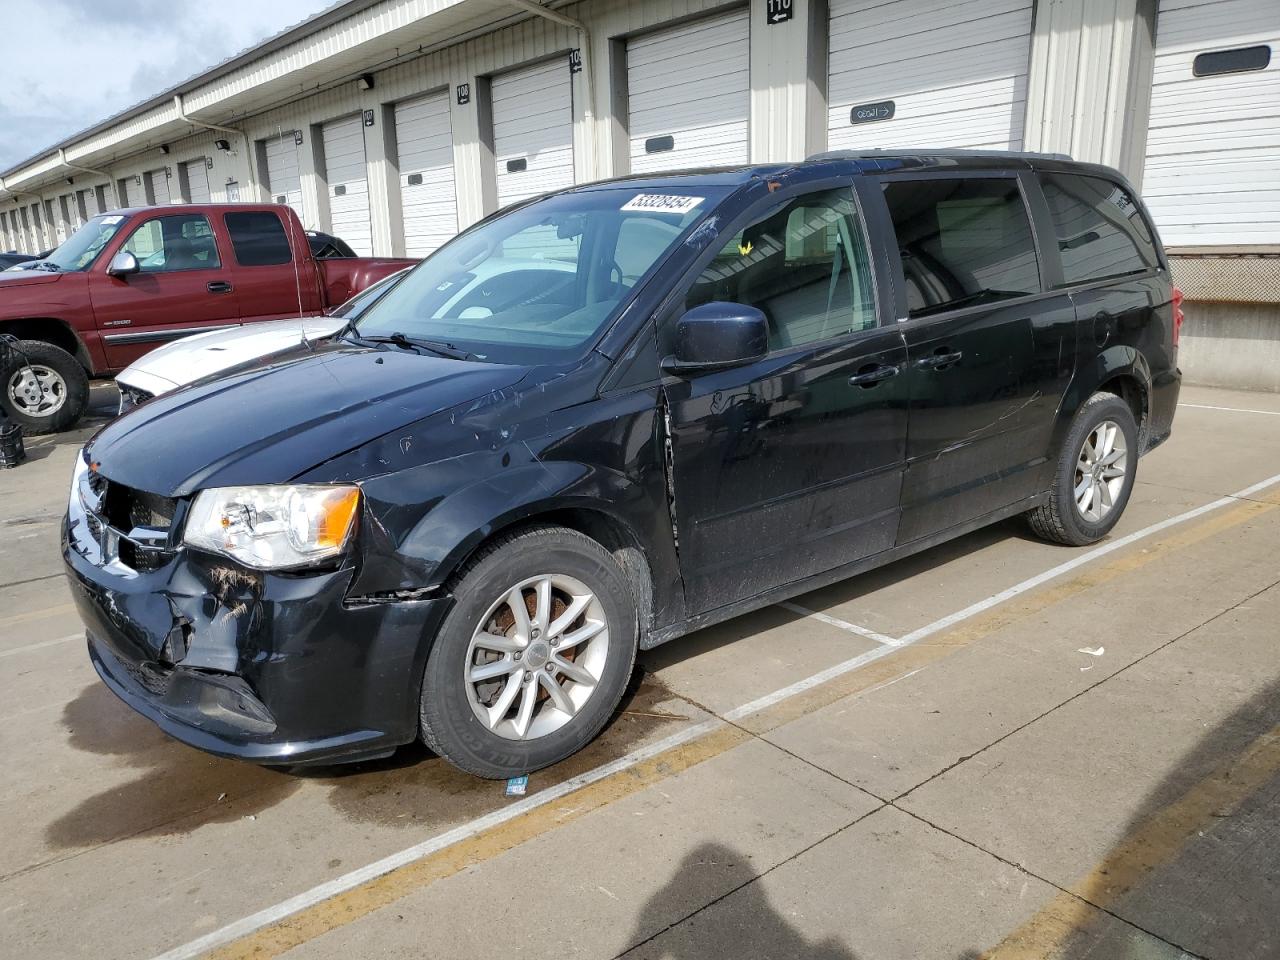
point(351, 904)
point(1152, 844)
point(382, 891)
point(54, 611)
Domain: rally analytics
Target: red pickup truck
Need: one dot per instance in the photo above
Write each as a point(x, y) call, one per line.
point(130, 280)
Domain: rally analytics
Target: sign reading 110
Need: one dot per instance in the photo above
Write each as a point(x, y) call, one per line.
point(779, 11)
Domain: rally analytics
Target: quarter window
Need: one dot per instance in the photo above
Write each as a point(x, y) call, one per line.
point(804, 265)
point(964, 242)
point(171, 244)
point(258, 238)
point(1099, 228)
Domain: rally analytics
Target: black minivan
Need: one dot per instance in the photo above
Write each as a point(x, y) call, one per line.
point(608, 416)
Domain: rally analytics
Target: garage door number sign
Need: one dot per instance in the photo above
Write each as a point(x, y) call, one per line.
point(871, 112)
point(779, 11)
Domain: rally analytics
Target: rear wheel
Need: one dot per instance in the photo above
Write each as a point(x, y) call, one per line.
point(1095, 474)
point(46, 392)
point(533, 658)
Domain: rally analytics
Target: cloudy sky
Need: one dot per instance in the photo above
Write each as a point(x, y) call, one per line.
point(70, 63)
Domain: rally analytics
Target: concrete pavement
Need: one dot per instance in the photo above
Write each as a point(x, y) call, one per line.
point(1087, 768)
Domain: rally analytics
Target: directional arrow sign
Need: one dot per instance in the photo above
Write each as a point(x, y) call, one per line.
point(779, 11)
point(871, 112)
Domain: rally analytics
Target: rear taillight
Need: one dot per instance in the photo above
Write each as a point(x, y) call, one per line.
point(1178, 316)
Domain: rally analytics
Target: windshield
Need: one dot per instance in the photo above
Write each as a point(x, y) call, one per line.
point(535, 284)
point(83, 246)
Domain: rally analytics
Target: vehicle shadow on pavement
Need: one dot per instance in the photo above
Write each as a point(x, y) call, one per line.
point(414, 788)
point(1196, 863)
point(747, 926)
point(177, 788)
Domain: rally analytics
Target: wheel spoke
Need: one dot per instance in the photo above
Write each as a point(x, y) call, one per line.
point(1112, 457)
point(573, 671)
point(1095, 502)
point(1110, 473)
point(515, 600)
point(487, 671)
point(1082, 501)
point(1104, 490)
point(491, 641)
point(542, 609)
point(558, 695)
point(524, 716)
point(503, 704)
point(584, 632)
point(571, 613)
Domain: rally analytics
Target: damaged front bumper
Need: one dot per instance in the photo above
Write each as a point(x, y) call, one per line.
point(270, 668)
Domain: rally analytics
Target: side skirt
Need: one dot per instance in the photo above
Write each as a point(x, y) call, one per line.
point(788, 590)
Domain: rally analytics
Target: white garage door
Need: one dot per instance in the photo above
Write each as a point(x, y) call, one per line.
point(428, 197)
point(956, 73)
point(282, 172)
point(348, 179)
point(196, 174)
point(158, 186)
point(1212, 175)
point(689, 95)
point(533, 130)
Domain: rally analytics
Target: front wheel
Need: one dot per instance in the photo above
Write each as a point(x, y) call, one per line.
point(47, 391)
point(1095, 474)
point(534, 656)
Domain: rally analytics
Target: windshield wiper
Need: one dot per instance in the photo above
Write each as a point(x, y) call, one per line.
point(438, 347)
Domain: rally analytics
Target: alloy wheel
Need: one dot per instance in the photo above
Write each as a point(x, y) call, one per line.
point(1100, 471)
point(37, 390)
point(536, 657)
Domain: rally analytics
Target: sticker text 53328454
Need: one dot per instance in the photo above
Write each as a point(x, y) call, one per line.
point(661, 203)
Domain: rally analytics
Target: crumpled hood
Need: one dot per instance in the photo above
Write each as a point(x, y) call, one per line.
point(279, 418)
point(25, 278)
point(191, 358)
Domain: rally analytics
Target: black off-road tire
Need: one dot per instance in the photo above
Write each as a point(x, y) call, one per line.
point(1058, 519)
point(62, 363)
point(448, 724)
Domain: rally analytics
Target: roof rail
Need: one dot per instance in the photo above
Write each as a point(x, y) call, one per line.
point(879, 154)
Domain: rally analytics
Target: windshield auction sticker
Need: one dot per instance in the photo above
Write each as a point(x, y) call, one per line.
point(662, 203)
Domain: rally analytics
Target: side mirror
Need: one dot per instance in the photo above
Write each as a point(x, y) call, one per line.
point(716, 335)
point(123, 264)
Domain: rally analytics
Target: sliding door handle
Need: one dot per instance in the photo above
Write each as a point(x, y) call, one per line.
point(937, 361)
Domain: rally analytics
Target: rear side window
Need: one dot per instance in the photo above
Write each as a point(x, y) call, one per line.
point(1100, 230)
point(964, 242)
point(258, 238)
point(803, 265)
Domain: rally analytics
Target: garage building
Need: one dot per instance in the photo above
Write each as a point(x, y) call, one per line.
point(395, 123)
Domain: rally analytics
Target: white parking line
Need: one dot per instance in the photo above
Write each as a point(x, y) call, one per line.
point(41, 645)
point(1207, 406)
point(840, 624)
point(465, 831)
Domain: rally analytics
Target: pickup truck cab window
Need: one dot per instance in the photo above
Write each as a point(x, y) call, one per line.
point(1100, 230)
point(539, 282)
point(964, 241)
point(804, 265)
point(258, 239)
point(170, 244)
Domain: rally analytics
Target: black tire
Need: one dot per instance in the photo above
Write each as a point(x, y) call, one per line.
point(449, 724)
point(1059, 519)
point(75, 382)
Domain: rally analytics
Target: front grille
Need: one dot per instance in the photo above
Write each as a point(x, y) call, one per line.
point(125, 508)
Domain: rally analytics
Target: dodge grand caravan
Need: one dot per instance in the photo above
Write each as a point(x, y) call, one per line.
point(666, 401)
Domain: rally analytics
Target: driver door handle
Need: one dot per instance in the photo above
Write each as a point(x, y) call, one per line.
point(869, 378)
point(218, 286)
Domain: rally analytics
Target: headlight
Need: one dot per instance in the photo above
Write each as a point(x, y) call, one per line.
point(273, 527)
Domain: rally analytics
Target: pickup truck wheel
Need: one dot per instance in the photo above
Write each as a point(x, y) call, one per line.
point(534, 656)
point(46, 392)
point(1095, 474)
